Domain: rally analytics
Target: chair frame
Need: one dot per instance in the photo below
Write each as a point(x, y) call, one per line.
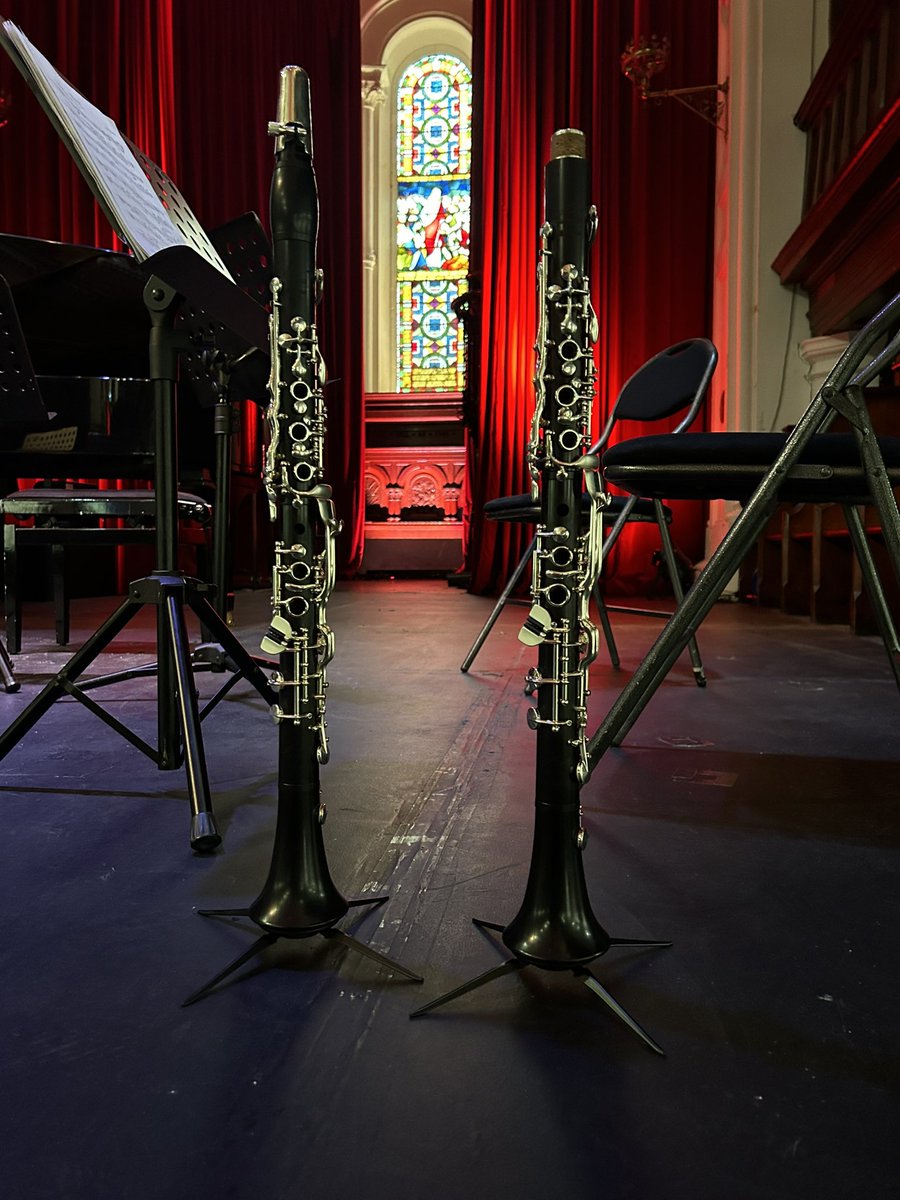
point(842, 393)
point(624, 516)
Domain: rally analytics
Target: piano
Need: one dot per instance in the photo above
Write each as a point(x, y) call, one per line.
point(75, 401)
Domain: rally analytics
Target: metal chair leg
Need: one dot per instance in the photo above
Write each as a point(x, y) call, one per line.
point(498, 607)
point(12, 599)
point(10, 683)
point(611, 646)
point(669, 552)
point(873, 586)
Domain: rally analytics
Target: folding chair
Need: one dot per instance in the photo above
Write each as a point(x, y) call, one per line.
point(761, 470)
point(673, 380)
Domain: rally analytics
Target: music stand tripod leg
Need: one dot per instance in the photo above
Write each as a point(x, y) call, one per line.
point(61, 683)
point(245, 663)
point(10, 683)
point(204, 832)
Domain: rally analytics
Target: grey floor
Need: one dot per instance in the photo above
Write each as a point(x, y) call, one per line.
point(754, 823)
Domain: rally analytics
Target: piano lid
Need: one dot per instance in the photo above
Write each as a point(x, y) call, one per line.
point(23, 259)
point(81, 309)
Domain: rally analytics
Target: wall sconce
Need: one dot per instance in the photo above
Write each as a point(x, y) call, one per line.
point(643, 58)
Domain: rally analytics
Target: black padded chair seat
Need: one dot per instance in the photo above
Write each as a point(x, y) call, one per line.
point(523, 508)
point(730, 466)
point(87, 503)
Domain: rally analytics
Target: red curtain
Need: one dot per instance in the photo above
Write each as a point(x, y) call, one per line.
point(227, 58)
point(119, 54)
point(195, 84)
point(541, 65)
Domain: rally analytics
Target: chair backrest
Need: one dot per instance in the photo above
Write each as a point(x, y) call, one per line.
point(672, 380)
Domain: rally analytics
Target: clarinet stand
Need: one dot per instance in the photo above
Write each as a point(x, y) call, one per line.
point(299, 898)
point(179, 739)
point(556, 929)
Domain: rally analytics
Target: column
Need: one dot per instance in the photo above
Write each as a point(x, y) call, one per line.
point(373, 98)
point(768, 49)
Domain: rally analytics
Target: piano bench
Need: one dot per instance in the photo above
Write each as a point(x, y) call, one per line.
point(65, 517)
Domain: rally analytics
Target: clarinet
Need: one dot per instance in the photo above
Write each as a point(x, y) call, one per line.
point(566, 559)
point(299, 891)
point(555, 923)
point(299, 897)
point(555, 927)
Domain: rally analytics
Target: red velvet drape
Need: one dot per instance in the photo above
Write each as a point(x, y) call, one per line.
point(228, 54)
point(540, 65)
point(194, 83)
point(119, 54)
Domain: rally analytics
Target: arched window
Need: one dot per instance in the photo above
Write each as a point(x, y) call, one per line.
point(395, 38)
point(434, 101)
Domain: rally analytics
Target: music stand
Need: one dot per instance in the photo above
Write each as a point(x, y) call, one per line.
point(184, 277)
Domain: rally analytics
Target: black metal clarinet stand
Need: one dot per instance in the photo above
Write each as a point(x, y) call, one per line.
point(179, 739)
point(555, 929)
point(299, 899)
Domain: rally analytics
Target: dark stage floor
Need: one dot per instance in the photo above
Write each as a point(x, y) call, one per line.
point(754, 823)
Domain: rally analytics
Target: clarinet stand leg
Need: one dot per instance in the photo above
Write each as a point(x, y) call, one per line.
point(506, 968)
point(258, 946)
point(367, 952)
point(271, 936)
point(579, 970)
point(594, 984)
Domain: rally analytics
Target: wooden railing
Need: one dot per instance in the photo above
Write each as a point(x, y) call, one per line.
point(844, 251)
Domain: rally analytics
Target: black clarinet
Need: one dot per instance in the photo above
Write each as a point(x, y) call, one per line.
point(555, 927)
point(299, 890)
point(299, 897)
point(565, 564)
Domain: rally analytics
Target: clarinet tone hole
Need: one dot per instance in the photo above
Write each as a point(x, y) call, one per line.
point(561, 556)
point(557, 595)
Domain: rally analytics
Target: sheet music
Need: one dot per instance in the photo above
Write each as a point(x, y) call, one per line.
point(111, 168)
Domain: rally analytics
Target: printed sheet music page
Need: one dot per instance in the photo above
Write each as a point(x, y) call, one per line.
point(140, 219)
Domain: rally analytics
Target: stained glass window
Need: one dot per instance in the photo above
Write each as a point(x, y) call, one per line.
point(434, 150)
